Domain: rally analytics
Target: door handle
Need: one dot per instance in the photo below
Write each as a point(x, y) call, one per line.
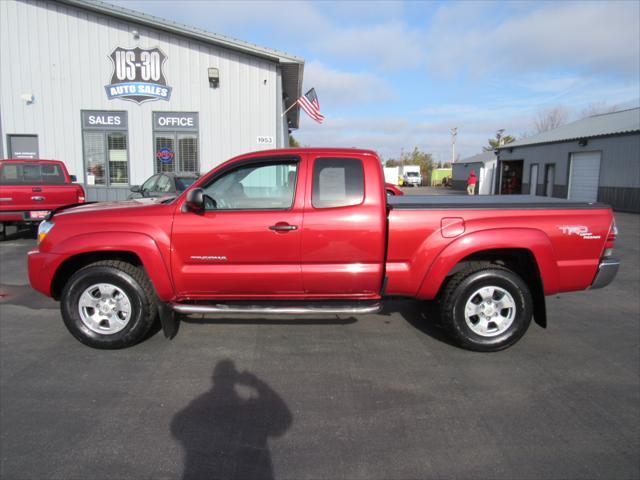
point(36, 189)
point(283, 227)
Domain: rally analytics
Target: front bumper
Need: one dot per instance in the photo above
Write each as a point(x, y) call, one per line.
point(607, 271)
point(42, 267)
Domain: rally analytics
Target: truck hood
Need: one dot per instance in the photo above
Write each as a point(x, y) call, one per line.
point(95, 208)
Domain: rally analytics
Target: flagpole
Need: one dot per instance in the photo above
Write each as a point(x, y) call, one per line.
point(290, 107)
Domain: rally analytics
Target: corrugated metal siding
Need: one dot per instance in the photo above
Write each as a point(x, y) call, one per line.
point(620, 159)
point(60, 54)
point(619, 178)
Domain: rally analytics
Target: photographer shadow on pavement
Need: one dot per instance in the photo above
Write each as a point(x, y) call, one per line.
point(225, 431)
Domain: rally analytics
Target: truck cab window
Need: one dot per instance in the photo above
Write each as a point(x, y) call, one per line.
point(337, 182)
point(255, 187)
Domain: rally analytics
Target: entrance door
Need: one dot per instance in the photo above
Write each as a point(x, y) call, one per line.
point(549, 179)
point(22, 146)
point(533, 179)
point(246, 244)
point(511, 177)
point(584, 176)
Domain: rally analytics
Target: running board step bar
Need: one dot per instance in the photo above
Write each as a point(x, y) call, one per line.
point(284, 309)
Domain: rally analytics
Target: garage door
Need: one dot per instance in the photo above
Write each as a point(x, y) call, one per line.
point(583, 176)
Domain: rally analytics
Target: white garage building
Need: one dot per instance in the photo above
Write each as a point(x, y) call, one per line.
point(119, 95)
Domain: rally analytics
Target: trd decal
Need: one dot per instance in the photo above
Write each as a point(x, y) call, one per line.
point(579, 230)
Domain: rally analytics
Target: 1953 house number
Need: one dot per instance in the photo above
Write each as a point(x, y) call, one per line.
point(262, 140)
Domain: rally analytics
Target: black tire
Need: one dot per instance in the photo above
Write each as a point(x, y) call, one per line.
point(460, 290)
point(132, 281)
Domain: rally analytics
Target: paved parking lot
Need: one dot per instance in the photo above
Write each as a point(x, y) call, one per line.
point(382, 396)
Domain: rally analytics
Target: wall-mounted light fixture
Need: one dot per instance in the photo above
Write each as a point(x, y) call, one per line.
point(136, 34)
point(27, 98)
point(214, 77)
point(583, 142)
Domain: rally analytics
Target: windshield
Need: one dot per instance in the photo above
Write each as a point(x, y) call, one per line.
point(30, 174)
point(412, 174)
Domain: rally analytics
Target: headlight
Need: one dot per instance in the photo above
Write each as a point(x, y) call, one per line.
point(43, 229)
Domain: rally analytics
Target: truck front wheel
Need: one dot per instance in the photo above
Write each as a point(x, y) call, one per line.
point(486, 308)
point(109, 304)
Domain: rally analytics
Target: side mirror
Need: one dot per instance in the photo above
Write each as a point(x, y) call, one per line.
point(195, 200)
point(73, 178)
point(135, 188)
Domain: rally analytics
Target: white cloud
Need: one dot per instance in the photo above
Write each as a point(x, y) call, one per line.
point(391, 45)
point(593, 36)
point(337, 88)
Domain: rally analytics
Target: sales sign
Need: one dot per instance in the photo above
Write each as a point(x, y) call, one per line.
point(138, 75)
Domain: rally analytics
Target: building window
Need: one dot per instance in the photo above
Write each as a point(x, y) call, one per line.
point(175, 137)
point(105, 148)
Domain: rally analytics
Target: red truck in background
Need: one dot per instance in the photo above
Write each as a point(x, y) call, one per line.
point(31, 189)
point(312, 231)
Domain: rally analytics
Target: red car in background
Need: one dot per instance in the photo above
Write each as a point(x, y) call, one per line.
point(31, 189)
point(391, 189)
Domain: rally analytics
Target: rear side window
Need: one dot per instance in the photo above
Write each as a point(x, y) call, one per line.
point(30, 174)
point(337, 182)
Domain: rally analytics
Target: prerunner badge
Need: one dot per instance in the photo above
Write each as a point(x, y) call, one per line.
point(138, 75)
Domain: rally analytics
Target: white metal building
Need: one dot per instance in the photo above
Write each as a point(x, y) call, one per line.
point(119, 95)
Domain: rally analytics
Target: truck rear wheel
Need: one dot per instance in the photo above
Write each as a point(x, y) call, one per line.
point(109, 304)
point(486, 308)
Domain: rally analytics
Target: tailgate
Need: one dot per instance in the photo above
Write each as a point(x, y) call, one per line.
point(37, 197)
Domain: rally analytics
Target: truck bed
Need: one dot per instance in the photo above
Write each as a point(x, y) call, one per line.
point(436, 202)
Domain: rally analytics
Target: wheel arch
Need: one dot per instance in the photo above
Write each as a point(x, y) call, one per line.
point(80, 260)
point(533, 259)
point(138, 250)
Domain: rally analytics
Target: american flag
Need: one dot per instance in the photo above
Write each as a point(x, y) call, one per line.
point(310, 104)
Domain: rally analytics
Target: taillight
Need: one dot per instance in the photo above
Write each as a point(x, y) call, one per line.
point(611, 240)
point(80, 195)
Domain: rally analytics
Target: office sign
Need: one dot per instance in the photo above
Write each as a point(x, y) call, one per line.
point(104, 120)
point(138, 75)
point(172, 121)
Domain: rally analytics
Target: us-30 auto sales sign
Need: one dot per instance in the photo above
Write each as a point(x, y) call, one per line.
point(138, 75)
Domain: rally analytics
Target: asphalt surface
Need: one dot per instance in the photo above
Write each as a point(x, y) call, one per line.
point(372, 397)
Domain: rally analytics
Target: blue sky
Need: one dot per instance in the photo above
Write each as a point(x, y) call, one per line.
point(394, 75)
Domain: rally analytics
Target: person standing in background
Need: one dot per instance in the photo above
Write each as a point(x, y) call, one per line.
point(471, 182)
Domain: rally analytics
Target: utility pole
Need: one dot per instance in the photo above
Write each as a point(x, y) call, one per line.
point(454, 134)
point(499, 136)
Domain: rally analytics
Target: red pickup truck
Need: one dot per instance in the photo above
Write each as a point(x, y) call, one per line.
point(312, 231)
point(31, 189)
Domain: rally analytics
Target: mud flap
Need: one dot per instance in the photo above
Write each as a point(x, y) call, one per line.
point(169, 320)
point(539, 308)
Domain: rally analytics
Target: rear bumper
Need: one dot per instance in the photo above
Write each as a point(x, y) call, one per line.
point(20, 216)
point(607, 271)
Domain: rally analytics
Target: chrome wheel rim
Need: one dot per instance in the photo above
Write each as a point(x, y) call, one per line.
point(104, 308)
point(490, 311)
